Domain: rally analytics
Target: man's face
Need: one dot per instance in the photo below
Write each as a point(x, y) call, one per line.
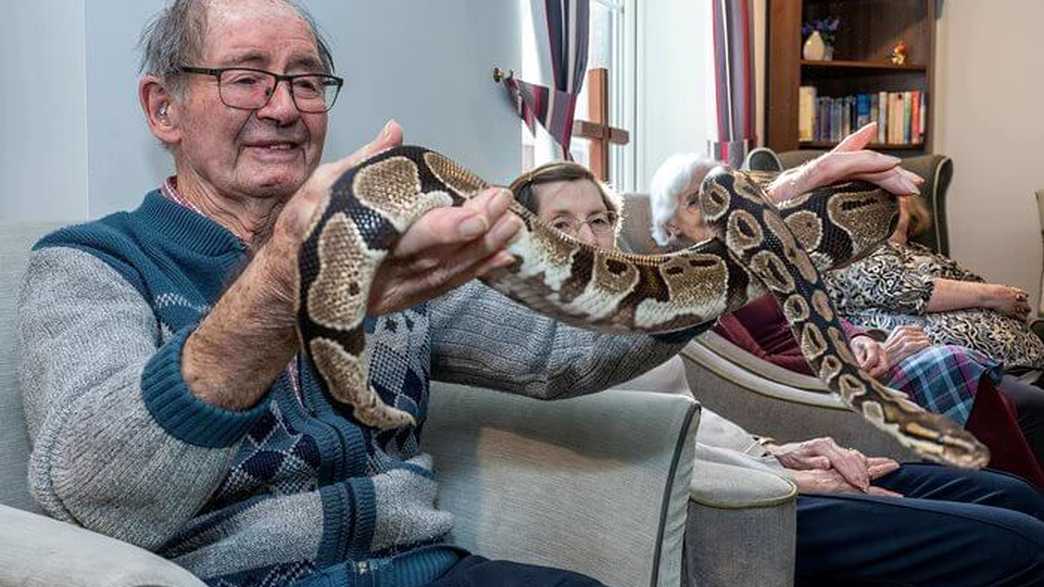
point(578, 209)
point(264, 153)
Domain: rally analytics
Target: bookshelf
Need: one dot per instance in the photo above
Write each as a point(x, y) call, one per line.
point(868, 31)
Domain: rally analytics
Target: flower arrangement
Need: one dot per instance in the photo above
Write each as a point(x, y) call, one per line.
point(827, 28)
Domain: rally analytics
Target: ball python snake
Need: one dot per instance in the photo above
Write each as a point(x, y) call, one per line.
point(759, 246)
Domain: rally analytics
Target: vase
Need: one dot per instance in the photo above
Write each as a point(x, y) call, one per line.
point(828, 53)
point(815, 48)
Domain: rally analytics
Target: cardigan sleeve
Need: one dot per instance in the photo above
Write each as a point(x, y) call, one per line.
point(480, 337)
point(118, 444)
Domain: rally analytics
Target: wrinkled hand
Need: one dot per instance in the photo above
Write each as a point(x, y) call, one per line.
point(824, 454)
point(1007, 300)
point(832, 481)
point(870, 355)
point(904, 341)
point(846, 162)
point(444, 249)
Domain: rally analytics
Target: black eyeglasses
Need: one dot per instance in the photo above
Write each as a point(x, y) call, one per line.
point(250, 89)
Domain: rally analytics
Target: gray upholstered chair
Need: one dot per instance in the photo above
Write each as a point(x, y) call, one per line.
point(598, 484)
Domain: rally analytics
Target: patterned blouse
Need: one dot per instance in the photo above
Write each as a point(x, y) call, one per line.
point(892, 286)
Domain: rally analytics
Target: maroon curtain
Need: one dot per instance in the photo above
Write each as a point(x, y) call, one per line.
point(734, 80)
point(568, 23)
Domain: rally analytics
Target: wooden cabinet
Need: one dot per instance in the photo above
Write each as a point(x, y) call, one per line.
point(868, 31)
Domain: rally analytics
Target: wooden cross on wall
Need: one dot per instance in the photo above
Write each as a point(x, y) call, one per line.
point(597, 130)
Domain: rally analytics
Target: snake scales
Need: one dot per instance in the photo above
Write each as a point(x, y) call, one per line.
point(758, 247)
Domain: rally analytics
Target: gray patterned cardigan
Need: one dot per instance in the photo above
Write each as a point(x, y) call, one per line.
point(291, 489)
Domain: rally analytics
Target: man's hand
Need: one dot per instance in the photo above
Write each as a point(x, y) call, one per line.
point(870, 355)
point(845, 162)
point(249, 337)
point(905, 341)
point(444, 249)
point(832, 481)
point(824, 454)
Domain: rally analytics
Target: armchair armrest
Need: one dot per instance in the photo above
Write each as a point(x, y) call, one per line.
point(731, 362)
point(39, 551)
point(742, 526)
point(766, 399)
point(597, 485)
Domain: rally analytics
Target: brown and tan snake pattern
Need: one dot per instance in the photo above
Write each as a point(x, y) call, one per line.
point(758, 248)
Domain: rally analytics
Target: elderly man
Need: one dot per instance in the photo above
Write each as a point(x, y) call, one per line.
point(860, 520)
point(166, 404)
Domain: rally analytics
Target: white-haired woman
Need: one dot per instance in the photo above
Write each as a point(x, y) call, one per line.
point(676, 217)
point(941, 377)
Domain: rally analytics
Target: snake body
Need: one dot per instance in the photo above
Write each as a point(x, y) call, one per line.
point(758, 247)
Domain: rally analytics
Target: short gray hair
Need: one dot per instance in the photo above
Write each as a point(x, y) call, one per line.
point(175, 36)
point(675, 174)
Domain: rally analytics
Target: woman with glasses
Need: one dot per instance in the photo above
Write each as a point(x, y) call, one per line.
point(569, 198)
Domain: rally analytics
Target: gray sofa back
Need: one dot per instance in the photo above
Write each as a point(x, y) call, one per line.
point(16, 240)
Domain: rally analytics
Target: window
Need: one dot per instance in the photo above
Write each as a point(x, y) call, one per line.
point(611, 45)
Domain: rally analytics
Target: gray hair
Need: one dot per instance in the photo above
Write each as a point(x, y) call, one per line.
point(175, 36)
point(671, 179)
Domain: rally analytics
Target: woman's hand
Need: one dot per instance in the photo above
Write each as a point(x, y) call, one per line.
point(870, 355)
point(831, 480)
point(1007, 300)
point(847, 161)
point(824, 454)
point(904, 341)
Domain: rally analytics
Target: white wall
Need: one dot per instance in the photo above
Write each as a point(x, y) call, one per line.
point(125, 161)
point(43, 144)
point(675, 80)
point(989, 117)
point(75, 143)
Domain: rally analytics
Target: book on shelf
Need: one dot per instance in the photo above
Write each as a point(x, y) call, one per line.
point(806, 112)
point(882, 118)
point(900, 116)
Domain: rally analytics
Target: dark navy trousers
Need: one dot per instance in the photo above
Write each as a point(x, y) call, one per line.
point(476, 571)
point(952, 528)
